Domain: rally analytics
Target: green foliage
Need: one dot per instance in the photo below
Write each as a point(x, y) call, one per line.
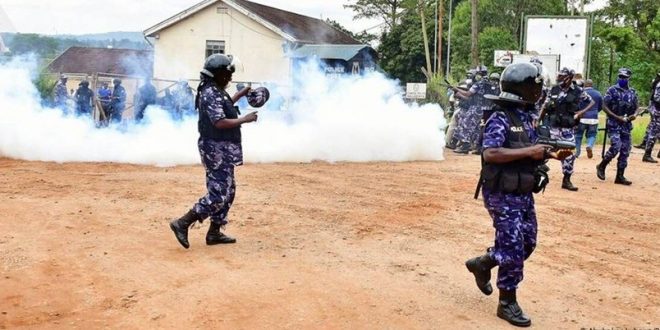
point(45, 84)
point(363, 37)
point(491, 39)
point(402, 49)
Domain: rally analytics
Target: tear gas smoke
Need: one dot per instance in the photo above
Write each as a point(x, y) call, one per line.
point(330, 119)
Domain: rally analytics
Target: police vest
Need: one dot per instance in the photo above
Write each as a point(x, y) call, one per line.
point(208, 130)
point(562, 113)
point(623, 107)
point(514, 177)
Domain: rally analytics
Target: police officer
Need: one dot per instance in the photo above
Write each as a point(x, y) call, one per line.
point(459, 110)
point(653, 129)
point(104, 94)
point(146, 96)
point(468, 131)
point(492, 88)
point(183, 99)
point(454, 131)
point(118, 102)
point(220, 148)
point(511, 172)
point(620, 104)
point(563, 111)
point(84, 98)
point(60, 92)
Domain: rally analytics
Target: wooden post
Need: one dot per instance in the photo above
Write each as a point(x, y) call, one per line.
point(475, 34)
point(429, 68)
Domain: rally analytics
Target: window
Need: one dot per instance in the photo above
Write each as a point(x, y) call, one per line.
point(215, 47)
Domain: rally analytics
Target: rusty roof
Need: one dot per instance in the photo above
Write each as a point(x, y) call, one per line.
point(90, 60)
point(304, 28)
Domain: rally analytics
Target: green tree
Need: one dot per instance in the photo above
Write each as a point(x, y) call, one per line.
point(387, 10)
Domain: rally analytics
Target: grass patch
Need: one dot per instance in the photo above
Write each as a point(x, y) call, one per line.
point(639, 128)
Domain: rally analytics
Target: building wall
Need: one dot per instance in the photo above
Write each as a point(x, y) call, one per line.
point(180, 50)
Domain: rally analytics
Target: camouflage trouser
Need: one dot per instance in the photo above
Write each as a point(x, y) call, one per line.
point(453, 124)
point(468, 127)
point(515, 235)
point(221, 188)
point(565, 134)
point(653, 130)
point(620, 142)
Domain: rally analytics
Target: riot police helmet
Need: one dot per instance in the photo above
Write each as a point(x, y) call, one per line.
point(116, 81)
point(84, 83)
point(494, 76)
point(258, 97)
point(482, 70)
point(218, 64)
point(520, 84)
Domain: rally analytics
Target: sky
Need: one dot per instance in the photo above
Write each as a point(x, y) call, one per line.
point(95, 16)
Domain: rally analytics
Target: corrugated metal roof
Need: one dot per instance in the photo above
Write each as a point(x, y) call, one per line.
point(104, 60)
point(339, 52)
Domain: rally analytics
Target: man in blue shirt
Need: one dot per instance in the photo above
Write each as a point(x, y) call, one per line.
point(589, 121)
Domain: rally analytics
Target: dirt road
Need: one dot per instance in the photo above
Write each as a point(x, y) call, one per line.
point(377, 245)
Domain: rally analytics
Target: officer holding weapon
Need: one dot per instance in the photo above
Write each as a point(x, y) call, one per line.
point(563, 112)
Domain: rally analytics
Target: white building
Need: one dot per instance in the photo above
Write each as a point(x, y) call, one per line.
point(267, 41)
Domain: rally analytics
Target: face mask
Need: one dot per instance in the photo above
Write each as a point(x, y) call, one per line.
point(623, 83)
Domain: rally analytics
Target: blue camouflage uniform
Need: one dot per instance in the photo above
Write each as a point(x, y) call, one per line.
point(513, 214)
point(218, 156)
point(84, 99)
point(118, 103)
point(60, 94)
point(468, 127)
point(622, 102)
point(565, 133)
point(653, 129)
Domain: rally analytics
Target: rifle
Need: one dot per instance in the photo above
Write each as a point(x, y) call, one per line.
point(449, 85)
point(544, 137)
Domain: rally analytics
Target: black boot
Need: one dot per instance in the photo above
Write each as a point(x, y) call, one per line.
point(463, 148)
point(600, 169)
point(215, 236)
point(452, 144)
point(620, 179)
point(647, 154)
point(643, 144)
point(180, 227)
point(480, 267)
point(567, 184)
point(509, 310)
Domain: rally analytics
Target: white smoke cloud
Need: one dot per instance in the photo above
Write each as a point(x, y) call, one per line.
point(332, 119)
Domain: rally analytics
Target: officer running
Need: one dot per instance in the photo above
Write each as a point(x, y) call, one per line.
point(620, 104)
point(220, 148)
point(511, 172)
point(562, 108)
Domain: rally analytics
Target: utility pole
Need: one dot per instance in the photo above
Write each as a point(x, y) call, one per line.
point(427, 51)
point(475, 34)
point(451, 7)
point(441, 14)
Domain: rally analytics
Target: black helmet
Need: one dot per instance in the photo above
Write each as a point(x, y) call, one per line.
point(566, 72)
point(84, 83)
point(217, 63)
point(258, 97)
point(116, 81)
point(521, 83)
